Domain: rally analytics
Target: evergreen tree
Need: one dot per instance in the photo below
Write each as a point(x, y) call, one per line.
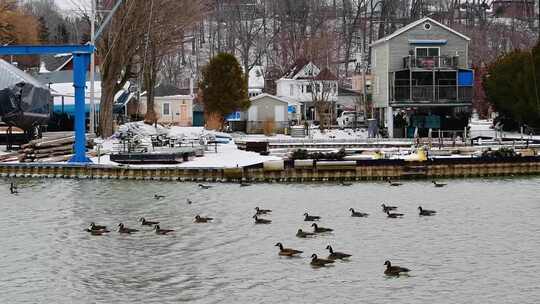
point(512, 85)
point(224, 86)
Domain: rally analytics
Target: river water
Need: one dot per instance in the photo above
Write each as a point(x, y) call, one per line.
point(483, 246)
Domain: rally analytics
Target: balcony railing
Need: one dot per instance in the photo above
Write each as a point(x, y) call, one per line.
point(432, 94)
point(431, 62)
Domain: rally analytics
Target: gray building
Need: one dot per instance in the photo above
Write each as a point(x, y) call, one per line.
point(422, 79)
point(267, 109)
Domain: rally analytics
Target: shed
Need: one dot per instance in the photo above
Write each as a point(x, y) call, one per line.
point(267, 109)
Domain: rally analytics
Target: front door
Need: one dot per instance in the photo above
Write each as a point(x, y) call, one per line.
point(184, 117)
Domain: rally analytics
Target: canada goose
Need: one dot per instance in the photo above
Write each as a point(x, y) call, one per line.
point(394, 270)
point(243, 184)
point(394, 215)
point(311, 218)
point(94, 227)
point(261, 221)
point(162, 231)
point(425, 212)
point(97, 232)
point(438, 185)
point(144, 222)
point(315, 261)
point(304, 234)
point(189, 202)
point(387, 208)
point(204, 186)
point(394, 184)
point(262, 211)
point(13, 188)
point(123, 229)
point(357, 214)
point(287, 251)
point(334, 255)
point(318, 229)
point(199, 219)
point(158, 197)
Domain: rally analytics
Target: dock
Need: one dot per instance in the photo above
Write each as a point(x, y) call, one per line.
point(287, 172)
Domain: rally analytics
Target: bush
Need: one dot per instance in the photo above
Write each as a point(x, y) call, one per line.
point(268, 127)
point(304, 154)
point(501, 153)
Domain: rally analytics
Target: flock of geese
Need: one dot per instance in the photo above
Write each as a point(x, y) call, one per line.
point(258, 217)
point(335, 255)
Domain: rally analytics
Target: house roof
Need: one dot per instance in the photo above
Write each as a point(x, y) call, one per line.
point(296, 67)
point(260, 96)
point(11, 75)
point(55, 62)
point(414, 24)
point(325, 74)
point(169, 90)
point(62, 77)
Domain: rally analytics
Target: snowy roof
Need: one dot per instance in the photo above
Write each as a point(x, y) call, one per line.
point(11, 75)
point(62, 77)
point(296, 67)
point(416, 23)
point(68, 92)
point(55, 62)
point(260, 96)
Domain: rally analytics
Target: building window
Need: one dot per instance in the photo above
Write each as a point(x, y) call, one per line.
point(309, 89)
point(292, 90)
point(427, 52)
point(376, 86)
point(166, 109)
point(427, 26)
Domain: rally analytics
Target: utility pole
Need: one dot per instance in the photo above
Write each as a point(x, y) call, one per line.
point(92, 69)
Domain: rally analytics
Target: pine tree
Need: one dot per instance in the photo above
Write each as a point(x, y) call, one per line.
point(224, 86)
point(512, 84)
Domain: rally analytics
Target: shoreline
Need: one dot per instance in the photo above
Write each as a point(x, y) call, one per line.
point(286, 172)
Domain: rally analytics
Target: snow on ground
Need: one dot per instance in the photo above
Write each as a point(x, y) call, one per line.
point(228, 156)
point(347, 134)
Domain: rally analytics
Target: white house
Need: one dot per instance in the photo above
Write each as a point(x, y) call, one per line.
point(301, 83)
point(267, 109)
point(256, 81)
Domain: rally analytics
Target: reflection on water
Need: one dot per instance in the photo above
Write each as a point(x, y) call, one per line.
point(481, 247)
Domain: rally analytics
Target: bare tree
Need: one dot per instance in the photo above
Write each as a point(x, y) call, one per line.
point(168, 20)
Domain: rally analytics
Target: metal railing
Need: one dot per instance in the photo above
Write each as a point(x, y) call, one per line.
point(431, 62)
point(433, 94)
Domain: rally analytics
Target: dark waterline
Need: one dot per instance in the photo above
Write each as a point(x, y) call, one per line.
point(481, 247)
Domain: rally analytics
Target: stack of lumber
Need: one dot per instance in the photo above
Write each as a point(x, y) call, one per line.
point(9, 157)
point(57, 148)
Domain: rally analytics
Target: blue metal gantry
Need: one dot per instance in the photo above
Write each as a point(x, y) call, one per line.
point(81, 59)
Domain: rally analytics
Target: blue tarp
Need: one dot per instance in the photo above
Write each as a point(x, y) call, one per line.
point(465, 78)
point(70, 108)
point(235, 116)
point(292, 109)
